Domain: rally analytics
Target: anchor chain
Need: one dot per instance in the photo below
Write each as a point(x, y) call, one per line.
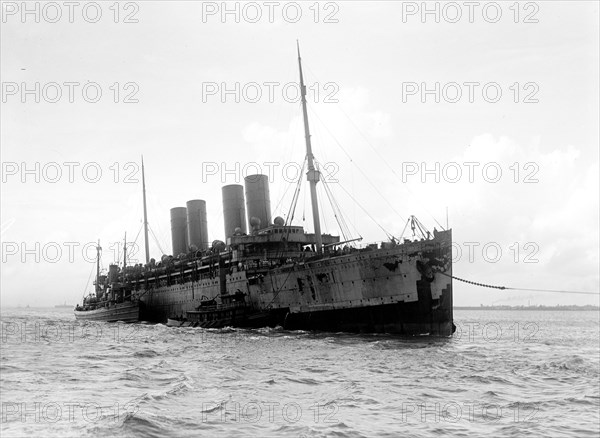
point(472, 282)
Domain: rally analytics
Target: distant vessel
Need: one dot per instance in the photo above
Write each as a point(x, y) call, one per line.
point(112, 301)
point(63, 306)
point(277, 274)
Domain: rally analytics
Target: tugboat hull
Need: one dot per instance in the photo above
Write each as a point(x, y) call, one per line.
point(125, 312)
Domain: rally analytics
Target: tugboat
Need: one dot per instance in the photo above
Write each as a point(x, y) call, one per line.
point(229, 310)
point(113, 299)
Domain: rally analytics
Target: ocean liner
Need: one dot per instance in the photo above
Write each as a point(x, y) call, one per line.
point(270, 272)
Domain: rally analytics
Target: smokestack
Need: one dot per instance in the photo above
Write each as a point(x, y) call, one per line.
point(197, 226)
point(234, 210)
point(179, 230)
point(258, 201)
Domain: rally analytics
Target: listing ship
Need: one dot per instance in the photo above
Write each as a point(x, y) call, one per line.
point(112, 300)
point(269, 272)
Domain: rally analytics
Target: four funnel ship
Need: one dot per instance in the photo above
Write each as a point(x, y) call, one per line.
point(272, 273)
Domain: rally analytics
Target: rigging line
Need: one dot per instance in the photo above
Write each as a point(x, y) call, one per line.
point(324, 216)
point(154, 207)
point(337, 209)
point(520, 288)
point(138, 235)
point(380, 156)
point(303, 206)
point(356, 165)
point(390, 167)
point(283, 196)
point(404, 230)
point(366, 212)
point(292, 210)
point(156, 240)
point(88, 280)
point(337, 212)
point(357, 203)
point(554, 291)
point(356, 231)
point(289, 152)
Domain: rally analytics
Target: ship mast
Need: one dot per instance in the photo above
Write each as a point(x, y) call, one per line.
point(312, 175)
point(124, 252)
point(98, 249)
point(145, 215)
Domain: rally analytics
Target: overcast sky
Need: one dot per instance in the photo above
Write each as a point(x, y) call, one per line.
point(372, 125)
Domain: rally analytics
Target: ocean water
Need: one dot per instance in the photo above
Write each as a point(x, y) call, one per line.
point(503, 374)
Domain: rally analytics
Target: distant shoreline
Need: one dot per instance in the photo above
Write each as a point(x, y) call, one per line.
point(587, 307)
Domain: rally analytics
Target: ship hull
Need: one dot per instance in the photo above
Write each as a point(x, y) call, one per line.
point(125, 312)
point(402, 319)
point(406, 289)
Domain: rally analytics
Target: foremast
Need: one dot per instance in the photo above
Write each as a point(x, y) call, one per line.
point(313, 175)
point(124, 255)
point(145, 215)
point(97, 285)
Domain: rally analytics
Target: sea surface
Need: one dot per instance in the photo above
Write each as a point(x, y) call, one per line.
point(503, 374)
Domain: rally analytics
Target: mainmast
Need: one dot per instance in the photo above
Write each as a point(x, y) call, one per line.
point(312, 175)
point(145, 215)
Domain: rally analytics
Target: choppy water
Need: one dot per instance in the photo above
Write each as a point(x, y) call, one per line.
point(505, 373)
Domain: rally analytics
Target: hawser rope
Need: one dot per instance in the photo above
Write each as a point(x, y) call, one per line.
point(518, 288)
